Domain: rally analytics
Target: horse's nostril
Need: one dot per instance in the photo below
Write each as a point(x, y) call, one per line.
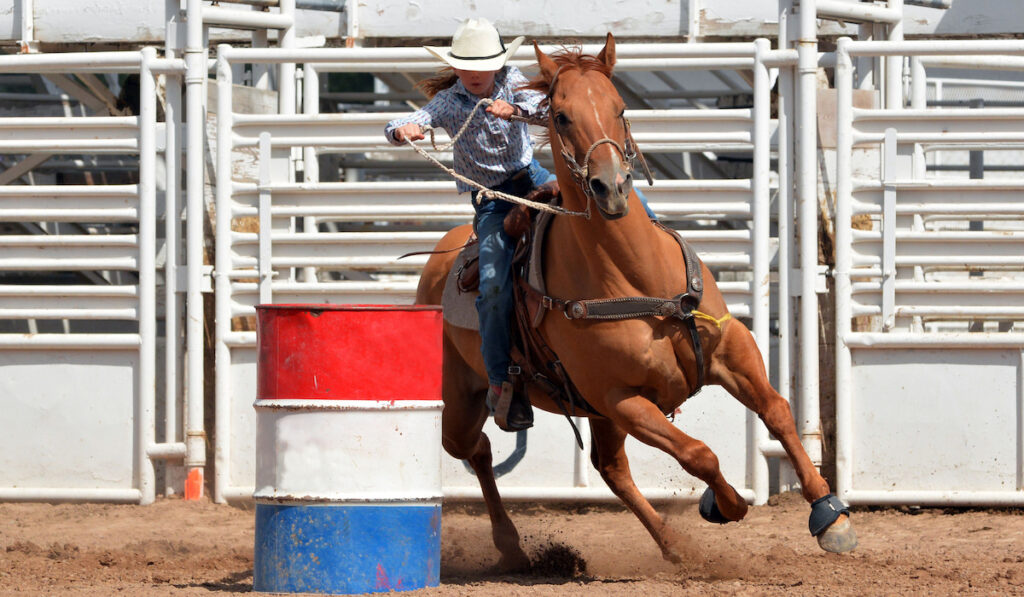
point(626, 184)
point(598, 187)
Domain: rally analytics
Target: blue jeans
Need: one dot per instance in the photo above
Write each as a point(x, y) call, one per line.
point(539, 175)
point(495, 304)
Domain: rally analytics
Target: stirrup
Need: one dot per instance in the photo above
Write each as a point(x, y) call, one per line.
point(501, 405)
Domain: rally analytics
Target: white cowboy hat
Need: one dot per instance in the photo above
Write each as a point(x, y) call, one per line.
point(476, 45)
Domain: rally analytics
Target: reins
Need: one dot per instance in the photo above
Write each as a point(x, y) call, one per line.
point(484, 192)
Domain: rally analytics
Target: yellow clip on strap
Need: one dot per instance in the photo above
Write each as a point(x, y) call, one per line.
point(717, 321)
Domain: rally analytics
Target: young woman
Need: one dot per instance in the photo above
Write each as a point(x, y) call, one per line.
point(496, 153)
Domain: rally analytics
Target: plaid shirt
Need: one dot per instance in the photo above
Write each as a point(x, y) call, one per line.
point(491, 149)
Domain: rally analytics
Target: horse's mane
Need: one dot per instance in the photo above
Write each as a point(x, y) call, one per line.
point(568, 59)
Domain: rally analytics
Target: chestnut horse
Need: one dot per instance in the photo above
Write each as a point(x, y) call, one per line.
point(620, 254)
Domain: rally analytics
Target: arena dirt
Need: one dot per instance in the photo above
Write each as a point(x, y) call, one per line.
point(179, 548)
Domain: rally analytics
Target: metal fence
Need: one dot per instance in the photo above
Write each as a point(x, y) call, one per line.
point(929, 282)
point(82, 402)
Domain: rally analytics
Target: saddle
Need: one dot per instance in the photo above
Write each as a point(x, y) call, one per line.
point(535, 363)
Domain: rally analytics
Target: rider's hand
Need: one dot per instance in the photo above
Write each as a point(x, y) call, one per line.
point(411, 131)
point(502, 109)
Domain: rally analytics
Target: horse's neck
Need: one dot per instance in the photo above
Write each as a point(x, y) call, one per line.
point(607, 256)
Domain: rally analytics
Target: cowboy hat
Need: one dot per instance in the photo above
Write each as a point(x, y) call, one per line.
point(477, 46)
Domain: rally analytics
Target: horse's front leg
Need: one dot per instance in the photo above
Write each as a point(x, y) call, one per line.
point(608, 455)
point(462, 422)
point(639, 417)
point(737, 366)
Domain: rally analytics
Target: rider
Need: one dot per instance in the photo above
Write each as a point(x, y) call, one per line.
point(496, 153)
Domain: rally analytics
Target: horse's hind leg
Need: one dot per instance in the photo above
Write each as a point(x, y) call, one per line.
point(608, 455)
point(639, 417)
point(462, 422)
point(737, 366)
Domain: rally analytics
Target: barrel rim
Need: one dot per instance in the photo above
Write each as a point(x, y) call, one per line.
point(347, 307)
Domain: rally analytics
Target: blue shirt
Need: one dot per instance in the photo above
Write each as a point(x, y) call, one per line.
point(491, 149)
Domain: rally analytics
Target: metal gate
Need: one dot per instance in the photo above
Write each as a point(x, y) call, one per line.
point(79, 359)
point(929, 293)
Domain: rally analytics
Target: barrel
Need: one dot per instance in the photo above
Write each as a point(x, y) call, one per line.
point(348, 449)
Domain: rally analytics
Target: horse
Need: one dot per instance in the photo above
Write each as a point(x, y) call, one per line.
point(619, 254)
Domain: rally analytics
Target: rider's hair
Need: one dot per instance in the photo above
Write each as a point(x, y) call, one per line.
point(444, 79)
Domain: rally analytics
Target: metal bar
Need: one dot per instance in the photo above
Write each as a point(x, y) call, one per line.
point(173, 307)
point(945, 47)
point(145, 416)
point(760, 262)
point(857, 12)
point(844, 259)
point(166, 451)
point(889, 233)
point(102, 62)
point(46, 494)
point(417, 57)
point(786, 230)
point(594, 494)
point(222, 285)
point(69, 341)
point(67, 291)
point(807, 198)
point(265, 226)
point(894, 64)
point(310, 160)
point(958, 340)
point(242, 19)
point(932, 498)
point(196, 117)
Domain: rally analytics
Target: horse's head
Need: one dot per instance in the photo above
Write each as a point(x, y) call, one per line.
point(587, 124)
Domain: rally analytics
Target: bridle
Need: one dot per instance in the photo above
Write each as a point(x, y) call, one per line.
point(630, 153)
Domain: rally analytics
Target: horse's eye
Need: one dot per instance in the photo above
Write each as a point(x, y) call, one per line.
point(561, 120)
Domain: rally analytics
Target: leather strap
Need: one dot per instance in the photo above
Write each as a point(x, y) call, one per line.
point(680, 306)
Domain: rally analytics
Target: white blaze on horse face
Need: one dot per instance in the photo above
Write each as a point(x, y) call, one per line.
point(597, 113)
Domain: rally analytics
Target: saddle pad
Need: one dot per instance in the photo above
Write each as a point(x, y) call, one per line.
point(459, 308)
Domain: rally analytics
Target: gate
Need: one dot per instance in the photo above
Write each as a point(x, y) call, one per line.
point(929, 288)
point(79, 358)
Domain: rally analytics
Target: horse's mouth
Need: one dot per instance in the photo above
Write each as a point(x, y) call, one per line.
point(612, 216)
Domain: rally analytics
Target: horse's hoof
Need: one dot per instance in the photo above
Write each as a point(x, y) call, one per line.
point(514, 564)
point(838, 538)
point(709, 509)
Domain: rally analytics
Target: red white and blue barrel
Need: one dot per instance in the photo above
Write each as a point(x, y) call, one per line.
point(348, 449)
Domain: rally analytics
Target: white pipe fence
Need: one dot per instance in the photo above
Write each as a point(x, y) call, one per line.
point(919, 276)
point(122, 405)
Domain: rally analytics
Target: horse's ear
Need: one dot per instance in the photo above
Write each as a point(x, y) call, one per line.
point(607, 54)
point(548, 68)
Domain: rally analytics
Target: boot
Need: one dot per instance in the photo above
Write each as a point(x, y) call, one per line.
point(512, 412)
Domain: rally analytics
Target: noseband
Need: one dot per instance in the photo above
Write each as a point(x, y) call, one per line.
point(580, 174)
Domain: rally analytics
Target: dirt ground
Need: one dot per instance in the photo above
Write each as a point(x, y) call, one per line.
point(179, 548)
